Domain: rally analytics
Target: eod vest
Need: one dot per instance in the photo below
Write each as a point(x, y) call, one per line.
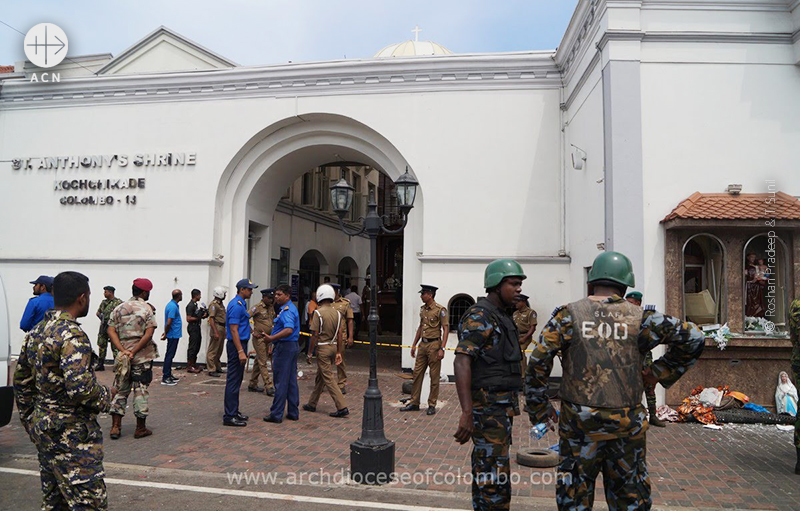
point(498, 367)
point(602, 365)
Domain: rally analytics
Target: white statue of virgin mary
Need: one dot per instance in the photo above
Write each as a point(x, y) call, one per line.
point(786, 395)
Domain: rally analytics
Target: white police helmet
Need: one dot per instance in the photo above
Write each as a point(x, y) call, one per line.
point(325, 292)
point(220, 292)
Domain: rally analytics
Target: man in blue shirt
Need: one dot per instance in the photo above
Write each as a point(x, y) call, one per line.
point(172, 333)
point(285, 333)
point(237, 327)
point(38, 304)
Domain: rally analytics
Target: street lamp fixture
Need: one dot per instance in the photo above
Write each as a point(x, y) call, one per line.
point(372, 455)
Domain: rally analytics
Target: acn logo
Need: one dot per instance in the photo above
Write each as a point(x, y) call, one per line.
point(46, 45)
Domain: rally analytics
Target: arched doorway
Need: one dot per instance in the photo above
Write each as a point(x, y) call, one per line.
point(262, 173)
point(348, 273)
point(312, 265)
point(704, 286)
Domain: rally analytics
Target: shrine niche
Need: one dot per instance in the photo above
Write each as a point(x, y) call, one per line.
point(731, 260)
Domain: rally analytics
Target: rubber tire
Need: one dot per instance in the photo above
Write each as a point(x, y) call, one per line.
point(538, 458)
point(407, 385)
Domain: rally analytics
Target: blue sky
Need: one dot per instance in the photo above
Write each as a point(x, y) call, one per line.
point(252, 32)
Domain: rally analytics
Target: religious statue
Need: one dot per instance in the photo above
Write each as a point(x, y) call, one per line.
point(755, 286)
point(786, 395)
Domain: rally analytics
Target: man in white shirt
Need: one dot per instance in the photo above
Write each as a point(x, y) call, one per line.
point(355, 305)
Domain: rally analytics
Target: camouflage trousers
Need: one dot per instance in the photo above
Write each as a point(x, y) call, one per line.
point(103, 343)
point(649, 391)
point(491, 467)
point(131, 381)
point(622, 463)
point(71, 467)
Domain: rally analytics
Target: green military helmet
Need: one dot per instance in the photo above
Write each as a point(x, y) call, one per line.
point(614, 267)
point(499, 269)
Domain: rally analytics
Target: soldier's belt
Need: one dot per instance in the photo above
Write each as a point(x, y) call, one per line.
point(222, 323)
point(326, 343)
point(431, 339)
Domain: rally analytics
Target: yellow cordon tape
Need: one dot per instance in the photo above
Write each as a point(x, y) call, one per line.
point(387, 345)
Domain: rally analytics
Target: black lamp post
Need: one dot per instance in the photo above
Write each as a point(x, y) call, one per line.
point(372, 455)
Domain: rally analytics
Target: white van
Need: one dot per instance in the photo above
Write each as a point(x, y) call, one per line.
point(6, 389)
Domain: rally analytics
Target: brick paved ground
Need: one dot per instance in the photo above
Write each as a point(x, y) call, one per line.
point(740, 467)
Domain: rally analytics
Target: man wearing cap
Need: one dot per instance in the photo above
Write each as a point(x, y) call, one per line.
point(342, 305)
point(41, 302)
point(130, 329)
point(431, 334)
point(525, 319)
point(237, 324)
point(216, 323)
point(263, 315)
point(326, 324)
point(107, 306)
point(602, 425)
point(284, 337)
point(635, 297)
point(488, 382)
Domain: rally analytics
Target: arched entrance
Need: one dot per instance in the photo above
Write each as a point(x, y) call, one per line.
point(262, 173)
point(348, 273)
point(312, 265)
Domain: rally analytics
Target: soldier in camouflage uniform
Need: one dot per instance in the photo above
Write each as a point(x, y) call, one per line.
point(602, 424)
point(103, 313)
point(488, 381)
point(794, 325)
point(635, 297)
point(58, 399)
point(342, 305)
point(131, 328)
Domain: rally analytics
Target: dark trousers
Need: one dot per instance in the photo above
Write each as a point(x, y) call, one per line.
point(195, 338)
point(233, 380)
point(356, 324)
point(172, 348)
point(284, 375)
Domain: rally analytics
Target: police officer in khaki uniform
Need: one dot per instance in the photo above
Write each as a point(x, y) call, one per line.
point(433, 328)
point(342, 305)
point(326, 324)
point(525, 319)
point(216, 320)
point(263, 315)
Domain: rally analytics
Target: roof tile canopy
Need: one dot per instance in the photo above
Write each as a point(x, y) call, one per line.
point(6, 69)
point(745, 206)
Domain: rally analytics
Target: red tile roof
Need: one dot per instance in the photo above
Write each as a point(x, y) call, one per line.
point(6, 69)
point(745, 206)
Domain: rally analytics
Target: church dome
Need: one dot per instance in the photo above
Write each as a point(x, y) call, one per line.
point(413, 49)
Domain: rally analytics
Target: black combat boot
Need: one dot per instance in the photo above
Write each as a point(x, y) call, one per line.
point(654, 420)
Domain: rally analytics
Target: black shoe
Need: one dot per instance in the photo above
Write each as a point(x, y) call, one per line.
point(431, 410)
point(214, 374)
point(270, 418)
point(344, 390)
point(292, 418)
point(242, 417)
point(340, 413)
point(309, 408)
point(271, 391)
point(100, 367)
point(236, 422)
point(256, 389)
point(410, 408)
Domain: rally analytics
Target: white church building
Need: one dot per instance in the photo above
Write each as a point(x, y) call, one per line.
point(658, 128)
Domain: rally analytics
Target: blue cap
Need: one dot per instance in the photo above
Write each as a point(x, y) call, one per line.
point(245, 284)
point(43, 279)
